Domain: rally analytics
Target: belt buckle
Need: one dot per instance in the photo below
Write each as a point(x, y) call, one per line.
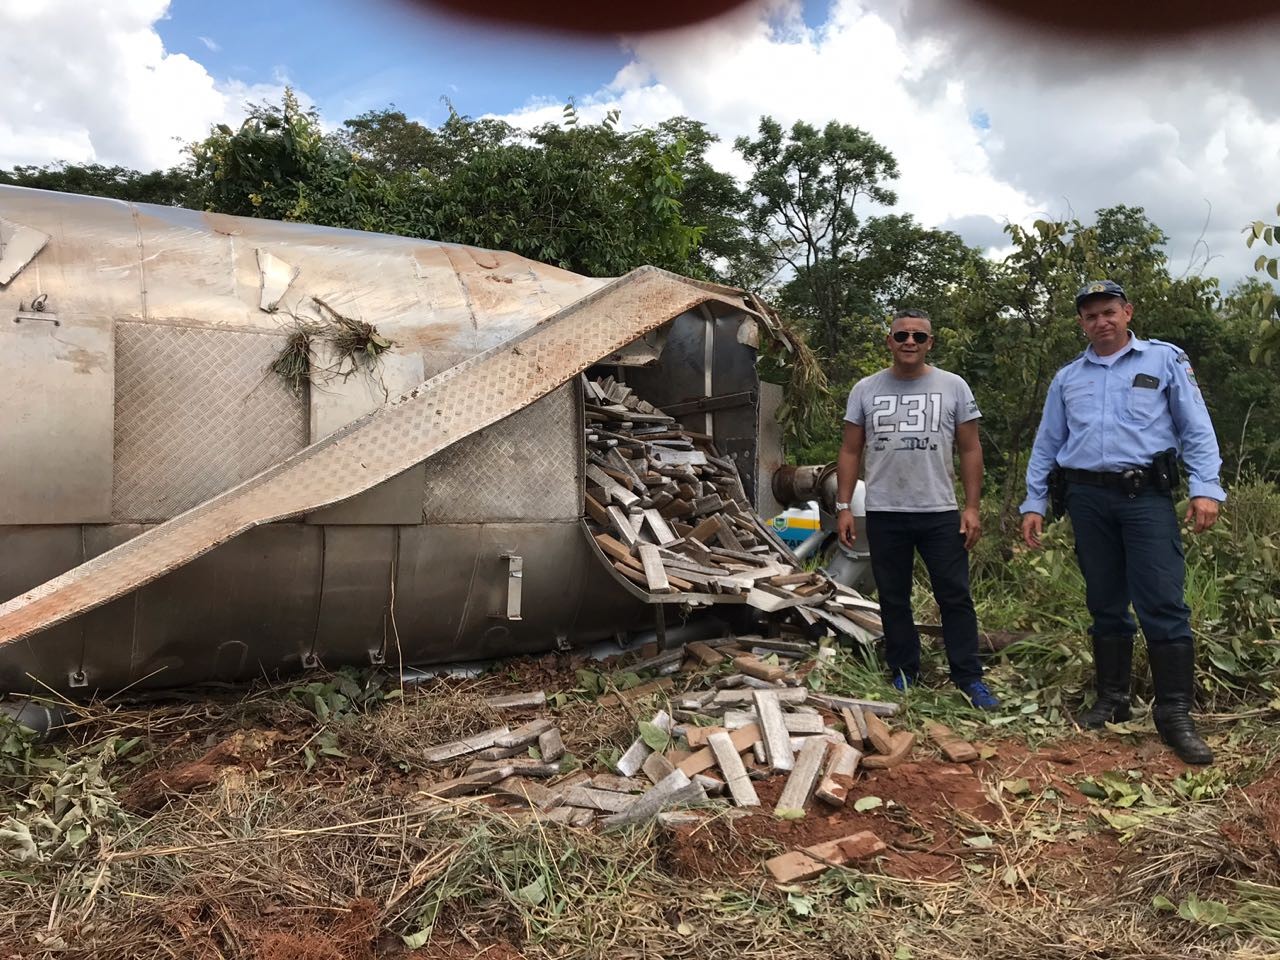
point(1132, 481)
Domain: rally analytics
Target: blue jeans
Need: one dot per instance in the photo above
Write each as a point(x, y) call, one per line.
point(894, 539)
point(1130, 550)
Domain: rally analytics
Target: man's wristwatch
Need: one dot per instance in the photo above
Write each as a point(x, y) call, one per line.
point(841, 506)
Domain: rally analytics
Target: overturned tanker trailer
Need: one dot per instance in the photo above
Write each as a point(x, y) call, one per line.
point(178, 505)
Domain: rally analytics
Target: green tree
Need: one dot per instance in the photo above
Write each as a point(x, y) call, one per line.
point(712, 200)
point(808, 188)
point(280, 165)
point(390, 143)
point(587, 197)
point(1245, 402)
point(174, 187)
point(1265, 306)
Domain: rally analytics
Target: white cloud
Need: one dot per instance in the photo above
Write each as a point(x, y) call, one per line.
point(989, 124)
point(854, 69)
point(103, 89)
point(210, 44)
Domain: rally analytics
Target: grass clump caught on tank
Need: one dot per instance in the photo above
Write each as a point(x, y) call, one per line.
point(293, 364)
point(333, 346)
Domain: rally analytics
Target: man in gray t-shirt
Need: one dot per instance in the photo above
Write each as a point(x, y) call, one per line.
point(910, 430)
point(905, 424)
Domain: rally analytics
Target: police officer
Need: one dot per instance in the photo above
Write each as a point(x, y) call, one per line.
point(1115, 419)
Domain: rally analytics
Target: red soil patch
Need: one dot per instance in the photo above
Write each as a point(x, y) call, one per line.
point(1256, 835)
point(1059, 765)
point(464, 951)
point(929, 808)
point(349, 936)
point(920, 827)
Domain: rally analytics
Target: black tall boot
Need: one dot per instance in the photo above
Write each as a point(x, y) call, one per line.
point(1112, 665)
point(1173, 669)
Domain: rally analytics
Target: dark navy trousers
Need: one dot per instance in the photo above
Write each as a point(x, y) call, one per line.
point(894, 539)
point(1130, 551)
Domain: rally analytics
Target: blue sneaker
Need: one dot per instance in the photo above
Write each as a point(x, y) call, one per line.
point(901, 682)
point(981, 697)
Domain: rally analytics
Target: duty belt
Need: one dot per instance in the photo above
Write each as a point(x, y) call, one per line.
point(1131, 481)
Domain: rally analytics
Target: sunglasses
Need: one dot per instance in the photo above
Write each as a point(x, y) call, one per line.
point(919, 336)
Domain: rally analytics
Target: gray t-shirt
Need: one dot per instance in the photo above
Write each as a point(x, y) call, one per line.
point(911, 431)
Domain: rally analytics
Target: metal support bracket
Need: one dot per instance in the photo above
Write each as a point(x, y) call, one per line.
point(37, 312)
point(515, 584)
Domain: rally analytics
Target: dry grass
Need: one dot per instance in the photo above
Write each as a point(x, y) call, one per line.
point(293, 365)
point(343, 859)
point(356, 348)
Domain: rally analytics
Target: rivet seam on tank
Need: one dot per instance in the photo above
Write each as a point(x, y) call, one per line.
point(19, 245)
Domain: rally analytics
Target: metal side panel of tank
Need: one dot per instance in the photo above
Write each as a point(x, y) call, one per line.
point(91, 268)
point(247, 608)
point(528, 588)
point(527, 467)
point(353, 622)
point(197, 411)
point(106, 259)
point(56, 385)
point(734, 398)
point(200, 305)
point(337, 401)
point(288, 596)
point(29, 556)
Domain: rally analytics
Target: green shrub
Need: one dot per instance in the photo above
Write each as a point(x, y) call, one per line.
point(1233, 588)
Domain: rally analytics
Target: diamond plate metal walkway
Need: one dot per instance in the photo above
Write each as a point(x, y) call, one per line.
point(465, 398)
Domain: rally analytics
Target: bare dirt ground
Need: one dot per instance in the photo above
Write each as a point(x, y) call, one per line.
point(260, 826)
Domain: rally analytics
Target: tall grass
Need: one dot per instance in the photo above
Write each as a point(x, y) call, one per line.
point(1232, 587)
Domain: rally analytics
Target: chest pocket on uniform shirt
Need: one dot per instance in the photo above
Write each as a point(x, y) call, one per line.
point(1081, 400)
point(1146, 399)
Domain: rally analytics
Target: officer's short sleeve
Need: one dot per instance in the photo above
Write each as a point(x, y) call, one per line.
point(853, 412)
point(1198, 442)
point(966, 405)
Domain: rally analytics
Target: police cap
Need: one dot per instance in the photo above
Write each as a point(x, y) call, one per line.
point(1099, 288)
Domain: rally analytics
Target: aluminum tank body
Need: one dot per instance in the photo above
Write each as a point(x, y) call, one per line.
point(136, 383)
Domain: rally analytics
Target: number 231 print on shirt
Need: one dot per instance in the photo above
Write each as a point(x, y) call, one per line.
point(903, 415)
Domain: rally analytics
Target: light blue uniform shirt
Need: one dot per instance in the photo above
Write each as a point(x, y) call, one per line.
point(1110, 417)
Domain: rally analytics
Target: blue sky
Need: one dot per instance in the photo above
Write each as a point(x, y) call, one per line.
point(352, 56)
